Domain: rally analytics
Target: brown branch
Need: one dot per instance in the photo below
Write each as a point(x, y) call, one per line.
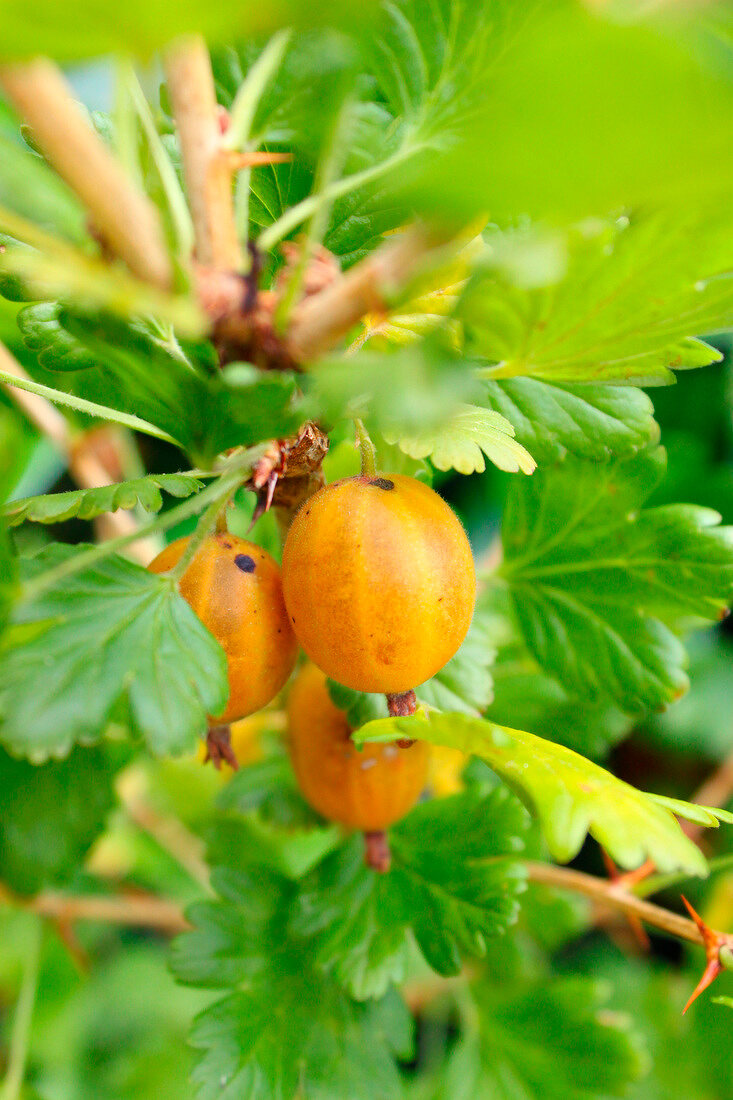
point(122, 216)
point(207, 170)
point(145, 911)
point(82, 454)
point(323, 319)
point(615, 897)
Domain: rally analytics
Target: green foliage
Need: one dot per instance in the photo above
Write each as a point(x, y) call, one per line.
point(464, 683)
point(599, 585)
point(292, 1025)
point(452, 885)
point(623, 307)
point(580, 112)
point(554, 420)
point(112, 644)
point(50, 815)
point(88, 503)
point(544, 1042)
point(570, 796)
point(461, 443)
point(31, 189)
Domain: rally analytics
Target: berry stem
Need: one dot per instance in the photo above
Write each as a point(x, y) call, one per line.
point(367, 449)
point(402, 705)
point(376, 851)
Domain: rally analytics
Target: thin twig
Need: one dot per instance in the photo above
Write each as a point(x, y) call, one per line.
point(323, 319)
point(206, 168)
point(22, 1020)
point(615, 897)
point(122, 215)
point(135, 910)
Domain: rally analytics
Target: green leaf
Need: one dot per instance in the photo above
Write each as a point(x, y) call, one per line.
point(56, 349)
point(10, 438)
point(599, 584)
point(464, 684)
point(88, 503)
point(544, 1040)
point(50, 815)
point(554, 420)
point(30, 188)
point(149, 25)
point(631, 296)
point(461, 443)
point(453, 883)
point(112, 642)
point(569, 795)
point(359, 706)
point(292, 1026)
point(418, 387)
point(577, 110)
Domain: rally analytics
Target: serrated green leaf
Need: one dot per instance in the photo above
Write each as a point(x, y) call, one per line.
point(55, 348)
point(293, 1026)
point(50, 815)
point(599, 584)
point(461, 443)
point(554, 420)
point(453, 883)
point(544, 1041)
point(109, 635)
point(709, 816)
point(464, 684)
point(88, 503)
point(570, 796)
point(632, 296)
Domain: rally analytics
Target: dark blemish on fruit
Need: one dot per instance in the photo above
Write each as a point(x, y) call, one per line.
point(245, 563)
point(292, 619)
point(382, 483)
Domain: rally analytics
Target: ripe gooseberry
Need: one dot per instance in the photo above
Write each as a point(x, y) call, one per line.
point(235, 589)
point(379, 582)
point(368, 788)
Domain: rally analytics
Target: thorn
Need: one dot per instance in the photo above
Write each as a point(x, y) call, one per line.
point(714, 942)
point(625, 880)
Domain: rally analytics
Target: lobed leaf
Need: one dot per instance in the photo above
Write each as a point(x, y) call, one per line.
point(454, 882)
point(110, 643)
point(88, 503)
point(461, 443)
point(570, 796)
point(625, 308)
point(599, 584)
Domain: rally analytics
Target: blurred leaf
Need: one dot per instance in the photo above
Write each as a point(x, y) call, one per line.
point(464, 684)
point(50, 815)
point(112, 640)
point(570, 795)
point(544, 1041)
point(291, 1026)
point(359, 706)
point(634, 293)
point(576, 111)
point(55, 348)
point(418, 387)
point(598, 585)
point(452, 884)
point(30, 188)
point(461, 443)
point(10, 437)
point(553, 420)
point(148, 26)
point(88, 503)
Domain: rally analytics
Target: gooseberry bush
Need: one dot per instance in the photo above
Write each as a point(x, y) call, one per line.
point(318, 281)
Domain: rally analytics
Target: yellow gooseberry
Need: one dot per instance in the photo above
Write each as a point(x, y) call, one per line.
point(379, 582)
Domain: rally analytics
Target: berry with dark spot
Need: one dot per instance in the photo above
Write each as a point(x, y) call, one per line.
point(381, 585)
point(243, 608)
point(368, 788)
